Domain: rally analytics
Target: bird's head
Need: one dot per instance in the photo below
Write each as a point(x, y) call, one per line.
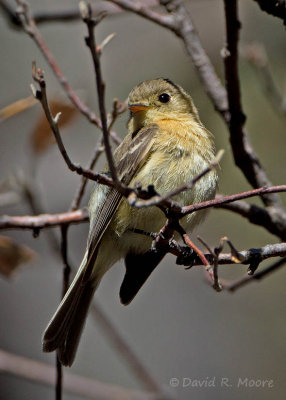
point(159, 99)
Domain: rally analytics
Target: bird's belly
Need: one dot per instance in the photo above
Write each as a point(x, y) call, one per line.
point(166, 174)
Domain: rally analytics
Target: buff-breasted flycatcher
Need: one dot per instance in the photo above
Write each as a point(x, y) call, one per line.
point(166, 146)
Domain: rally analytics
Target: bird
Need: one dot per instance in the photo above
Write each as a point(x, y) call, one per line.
point(166, 146)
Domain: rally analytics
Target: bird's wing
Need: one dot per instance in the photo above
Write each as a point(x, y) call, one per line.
point(129, 158)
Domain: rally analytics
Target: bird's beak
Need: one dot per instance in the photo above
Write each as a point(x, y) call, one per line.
point(138, 107)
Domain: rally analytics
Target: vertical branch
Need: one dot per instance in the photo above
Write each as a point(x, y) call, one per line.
point(237, 117)
point(59, 379)
point(66, 276)
point(99, 149)
point(90, 22)
point(244, 155)
point(67, 269)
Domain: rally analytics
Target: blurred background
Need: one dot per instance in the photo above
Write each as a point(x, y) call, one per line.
point(178, 326)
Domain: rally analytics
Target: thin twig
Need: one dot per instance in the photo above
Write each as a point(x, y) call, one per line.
point(99, 149)
point(62, 15)
point(244, 157)
point(65, 286)
point(215, 254)
point(229, 199)
point(59, 379)
point(41, 95)
point(265, 252)
point(258, 275)
point(64, 252)
point(192, 245)
point(144, 11)
point(44, 220)
point(91, 43)
point(165, 240)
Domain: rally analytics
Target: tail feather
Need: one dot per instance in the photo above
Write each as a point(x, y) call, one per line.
point(68, 347)
point(64, 330)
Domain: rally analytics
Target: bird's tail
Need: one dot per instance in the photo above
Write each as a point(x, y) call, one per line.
point(64, 330)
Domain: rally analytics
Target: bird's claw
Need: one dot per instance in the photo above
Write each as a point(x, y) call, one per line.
point(186, 257)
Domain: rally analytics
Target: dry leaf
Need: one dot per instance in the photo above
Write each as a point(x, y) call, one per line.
point(12, 255)
point(42, 136)
point(17, 107)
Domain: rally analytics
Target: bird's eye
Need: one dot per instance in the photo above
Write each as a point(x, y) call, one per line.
point(164, 98)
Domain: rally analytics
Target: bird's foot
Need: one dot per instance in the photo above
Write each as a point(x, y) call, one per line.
point(186, 257)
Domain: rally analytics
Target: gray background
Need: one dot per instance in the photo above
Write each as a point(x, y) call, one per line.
point(178, 326)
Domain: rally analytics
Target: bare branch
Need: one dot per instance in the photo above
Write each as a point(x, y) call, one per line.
point(64, 15)
point(91, 43)
point(210, 271)
point(43, 221)
point(268, 251)
point(165, 241)
point(166, 21)
point(59, 379)
point(218, 201)
point(215, 254)
point(244, 156)
point(65, 286)
point(189, 243)
point(99, 149)
point(41, 95)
